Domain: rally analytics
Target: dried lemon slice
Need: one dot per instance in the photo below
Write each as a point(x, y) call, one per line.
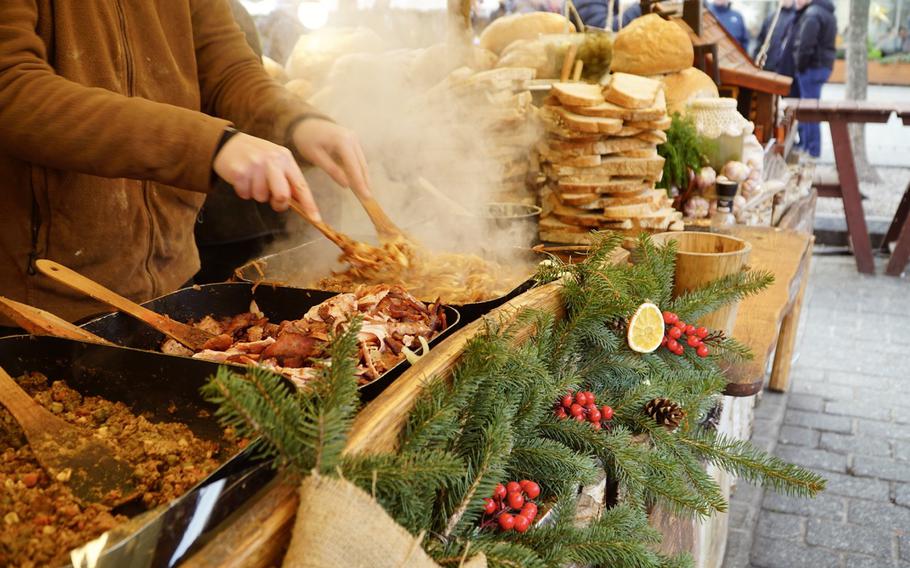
point(646, 328)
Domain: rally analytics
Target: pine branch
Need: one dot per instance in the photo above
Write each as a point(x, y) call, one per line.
point(727, 289)
point(746, 461)
point(260, 404)
point(554, 466)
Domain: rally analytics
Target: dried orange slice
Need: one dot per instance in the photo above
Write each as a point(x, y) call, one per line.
point(646, 328)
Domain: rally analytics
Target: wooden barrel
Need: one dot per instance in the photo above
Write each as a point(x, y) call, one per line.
point(703, 257)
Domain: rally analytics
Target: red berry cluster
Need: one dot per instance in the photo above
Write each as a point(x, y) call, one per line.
point(582, 407)
point(512, 506)
point(674, 332)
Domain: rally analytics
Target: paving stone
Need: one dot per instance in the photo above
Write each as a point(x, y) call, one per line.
point(874, 428)
point(812, 458)
point(850, 444)
point(739, 547)
point(884, 516)
point(823, 506)
point(865, 379)
point(902, 495)
point(827, 422)
point(808, 402)
point(865, 561)
point(742, 515)
point(871, 410)
point(904, 547)
point(748, 493)
point(883, 468)
point(780, 525)
point(858, 487)
point(797, 436)
point(771, 406)
point(901, 449)
point(765, 443)
point(849, 538)
point(828, 391)
point(773, 553)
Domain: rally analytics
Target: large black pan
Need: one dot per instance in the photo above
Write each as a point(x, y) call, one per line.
point(224, 300)
point(295, 265)
point(164, 389)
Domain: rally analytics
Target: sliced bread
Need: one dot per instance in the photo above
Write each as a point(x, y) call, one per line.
point(578, 94)
point(631, 91)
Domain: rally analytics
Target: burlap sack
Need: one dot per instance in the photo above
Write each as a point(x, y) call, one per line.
point(338, 524)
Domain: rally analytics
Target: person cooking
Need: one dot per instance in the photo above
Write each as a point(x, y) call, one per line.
point(116, 119)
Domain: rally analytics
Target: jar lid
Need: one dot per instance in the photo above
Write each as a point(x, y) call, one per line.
point(716, 117)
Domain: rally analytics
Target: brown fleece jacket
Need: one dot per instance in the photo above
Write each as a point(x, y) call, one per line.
point(107, 117)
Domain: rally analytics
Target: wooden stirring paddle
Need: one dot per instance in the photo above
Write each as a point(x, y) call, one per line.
point(188, 335)
point(387, 230)
point(88, 466)
point(39, 322)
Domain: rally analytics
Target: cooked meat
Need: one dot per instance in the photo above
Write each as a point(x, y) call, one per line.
point(221, 342)
point(391, 319)
point(174, 347)
point(291, 345)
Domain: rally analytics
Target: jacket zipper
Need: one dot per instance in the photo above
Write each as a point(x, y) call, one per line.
point(128, 64)
point(36, 231)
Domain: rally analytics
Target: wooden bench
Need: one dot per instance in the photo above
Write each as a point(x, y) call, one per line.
point(838, 114)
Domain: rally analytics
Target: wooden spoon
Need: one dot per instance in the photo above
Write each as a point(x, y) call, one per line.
point(188, 335)
point(88, 466)
point(39, 322)
point(385, 228)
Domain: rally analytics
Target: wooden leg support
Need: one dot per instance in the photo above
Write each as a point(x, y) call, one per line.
point(853, 205)
point(901, 253)
point(786, 340)
point(900, 216)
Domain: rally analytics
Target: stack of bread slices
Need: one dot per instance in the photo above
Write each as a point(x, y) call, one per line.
point(600, 160)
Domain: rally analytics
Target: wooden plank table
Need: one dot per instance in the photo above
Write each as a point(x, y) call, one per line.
point(899, 231)
point(838, 114)
point(768, 321)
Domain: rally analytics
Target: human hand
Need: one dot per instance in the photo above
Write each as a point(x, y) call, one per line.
point(264, 171)
point(336, 151)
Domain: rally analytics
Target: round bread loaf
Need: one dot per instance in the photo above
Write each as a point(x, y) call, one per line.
point(683, 86)
point(651, 45)
point(503, 31)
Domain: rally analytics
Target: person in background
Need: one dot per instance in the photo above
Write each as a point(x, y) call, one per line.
point(731, 20)
point(594, 13)
point(116, 119)
point(778, 60)
point(525, 6)
point(813, 45)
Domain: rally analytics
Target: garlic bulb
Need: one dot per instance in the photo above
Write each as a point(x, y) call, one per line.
point(736, 171)
point(705, 178)
point(738, 203)
point(697, 207)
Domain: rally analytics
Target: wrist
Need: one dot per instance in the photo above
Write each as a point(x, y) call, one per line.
point(229, 132)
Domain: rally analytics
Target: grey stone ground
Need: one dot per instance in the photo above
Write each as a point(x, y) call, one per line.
point(847, 416)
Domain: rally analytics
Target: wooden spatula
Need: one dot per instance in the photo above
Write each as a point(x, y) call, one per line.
point(39, 322)
point(87, 465)
point(186, 334)
point(385, 228)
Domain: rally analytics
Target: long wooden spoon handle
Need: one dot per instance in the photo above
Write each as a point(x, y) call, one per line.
point(384, 225)
point(94, 290)
point(329, 232)
point(39, 322)
point(24, 408)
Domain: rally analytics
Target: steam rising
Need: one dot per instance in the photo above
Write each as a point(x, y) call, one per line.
point(385, 77)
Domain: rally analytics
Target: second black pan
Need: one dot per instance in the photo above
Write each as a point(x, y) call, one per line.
point(229, 299)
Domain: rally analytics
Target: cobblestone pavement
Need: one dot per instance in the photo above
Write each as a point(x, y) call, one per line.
point(847, 416)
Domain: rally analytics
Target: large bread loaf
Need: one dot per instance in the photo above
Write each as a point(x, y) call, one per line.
point(651, 45)
point(503, 31)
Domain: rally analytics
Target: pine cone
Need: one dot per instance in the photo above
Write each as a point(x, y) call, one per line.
point(665, 412)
